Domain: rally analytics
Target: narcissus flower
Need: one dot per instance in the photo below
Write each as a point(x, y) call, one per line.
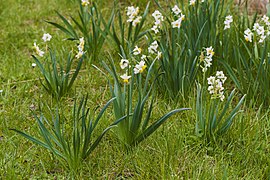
point(38, 51)
point(158, 19)
point(215, 87)
point(228, 21)
point(210, 51)
point(176, 10)
point(81, 44)
point(139, 68)
point(132, 12)
point(124, 63)
point(136, 21)
point(178, 22)
point(192, 2)
point(125, 78)
point(34, 65)
point(46, 37)
point(206, 57)
point(137, 50)
point(248, 35)
point(153, 47)
point(85, 2)
point(79, 54)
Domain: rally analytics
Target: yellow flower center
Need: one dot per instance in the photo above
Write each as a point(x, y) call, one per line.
point(125, 80)
point(143, 68)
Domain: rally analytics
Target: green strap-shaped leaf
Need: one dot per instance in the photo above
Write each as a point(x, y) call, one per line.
point(155, 125)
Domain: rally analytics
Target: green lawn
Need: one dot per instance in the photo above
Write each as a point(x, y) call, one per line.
point(172, 152)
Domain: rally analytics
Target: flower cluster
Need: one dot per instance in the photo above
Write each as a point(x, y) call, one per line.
point(206, 58)
point(138, 68)
point(85, 2)
point(177, 12)
point(133, 17)
point(46, 37)
point(158, 19)
point(260, 31)
point(215, 87)
point(80, 48)
point(228, 21)
point(153, 49)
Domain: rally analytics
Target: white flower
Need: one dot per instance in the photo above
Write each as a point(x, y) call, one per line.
point(220, 75)
point(79, 54)
point(34, 65)
point(153, 47)
point(210, 51)
point(125, 77)
point(248, 35)
point(132, 12)
point(137, 21)
point(139, 68)
point(38, 51)
point(155, 29)
point(46, 37)
point(262, 38)
point(143, 57)
point(157, 16)
point(85, 2)
point(124, 63)
point(256, 26)
point(228, 21)
point(202, 1)
point(211, 80)
point(192, 2)
point(176, 10)
point(137, 50)
point(81, 44)
point(177, 23)
point(265, 19)
point(215, 87)
point(260, 30)
point(158, 19)
point(159, 54)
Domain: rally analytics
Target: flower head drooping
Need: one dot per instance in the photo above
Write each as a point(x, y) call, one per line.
point(206, 58)
point(158, 19)
point(139, 68)
point(215, 87)
point(85, 3)
point(125, 77)
point(124, 63)
point(228, 21)
point(137, 50)
point(38, 51)
point(46, 37)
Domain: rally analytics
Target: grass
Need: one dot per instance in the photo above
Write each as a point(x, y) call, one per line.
point(173, 152)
